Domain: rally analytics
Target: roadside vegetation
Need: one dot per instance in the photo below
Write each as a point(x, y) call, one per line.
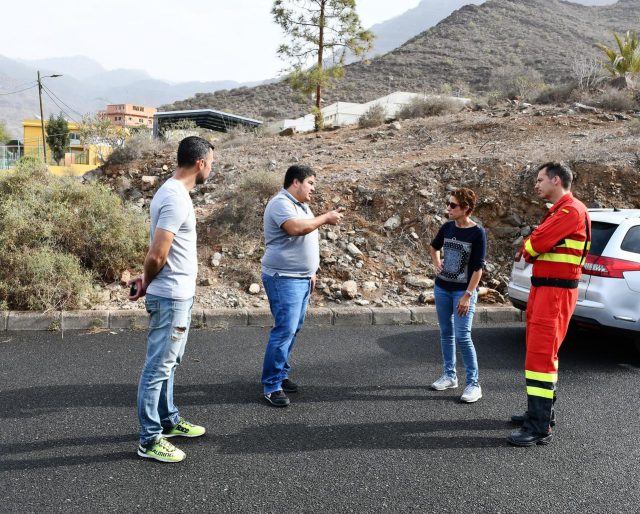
point(58, 236)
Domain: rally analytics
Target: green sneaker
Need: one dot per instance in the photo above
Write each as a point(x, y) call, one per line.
point(184, 429)
point(161, 450)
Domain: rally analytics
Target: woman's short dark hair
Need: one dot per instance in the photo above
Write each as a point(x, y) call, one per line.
point(297, 172)
point(466, 198)
point(191, 149)
point(557, 169)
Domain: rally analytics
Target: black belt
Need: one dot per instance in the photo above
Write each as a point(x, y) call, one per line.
point(554, 282)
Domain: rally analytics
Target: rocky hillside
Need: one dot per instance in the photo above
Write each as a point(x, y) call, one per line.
point(465, 48)
point(393, 181)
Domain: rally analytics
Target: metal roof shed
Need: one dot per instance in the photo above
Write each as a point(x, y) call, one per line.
point(205, 118)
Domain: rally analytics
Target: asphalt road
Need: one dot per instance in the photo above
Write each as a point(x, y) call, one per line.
point(364, 434)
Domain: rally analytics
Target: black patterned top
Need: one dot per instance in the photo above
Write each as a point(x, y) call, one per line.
point(463, 250)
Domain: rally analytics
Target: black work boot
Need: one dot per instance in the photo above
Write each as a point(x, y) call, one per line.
point(524, 437)
point(519, 419)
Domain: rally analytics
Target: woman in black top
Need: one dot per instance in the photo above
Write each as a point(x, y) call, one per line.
point(458, 253)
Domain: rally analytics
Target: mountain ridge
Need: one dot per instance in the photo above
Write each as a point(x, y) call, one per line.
point(465, 48)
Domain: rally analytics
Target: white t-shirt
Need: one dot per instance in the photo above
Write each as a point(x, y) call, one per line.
point(172, 210)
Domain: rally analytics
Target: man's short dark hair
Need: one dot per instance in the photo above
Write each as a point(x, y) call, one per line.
point(191, 149)
point(556, 169)
point(297, 172)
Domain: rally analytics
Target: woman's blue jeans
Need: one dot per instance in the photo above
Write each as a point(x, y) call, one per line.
point(456, 329)
point(288, 300)
point(169, 322)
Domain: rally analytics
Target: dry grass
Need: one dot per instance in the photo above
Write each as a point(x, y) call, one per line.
point(374, 117)
point(430, 106)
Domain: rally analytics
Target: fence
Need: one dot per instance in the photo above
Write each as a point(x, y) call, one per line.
point(9, 154)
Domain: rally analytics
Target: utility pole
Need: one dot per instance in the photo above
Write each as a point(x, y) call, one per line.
point(44, 140)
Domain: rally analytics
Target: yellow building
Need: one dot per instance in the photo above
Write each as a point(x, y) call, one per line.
point(77, 160)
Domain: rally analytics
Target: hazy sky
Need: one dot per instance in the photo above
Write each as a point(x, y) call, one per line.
point(173, 40)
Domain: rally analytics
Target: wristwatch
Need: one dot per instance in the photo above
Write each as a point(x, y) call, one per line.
point(470, 293)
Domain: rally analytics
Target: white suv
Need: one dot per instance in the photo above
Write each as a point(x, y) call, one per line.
point(609, 290)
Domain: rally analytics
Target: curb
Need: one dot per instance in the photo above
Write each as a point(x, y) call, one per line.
point(225, 318)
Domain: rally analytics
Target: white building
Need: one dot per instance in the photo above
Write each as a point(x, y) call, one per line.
point(341, 114)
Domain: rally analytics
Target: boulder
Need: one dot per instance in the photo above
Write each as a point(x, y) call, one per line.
point(349, 289)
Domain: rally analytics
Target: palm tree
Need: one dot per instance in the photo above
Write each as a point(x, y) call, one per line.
point(626, 60)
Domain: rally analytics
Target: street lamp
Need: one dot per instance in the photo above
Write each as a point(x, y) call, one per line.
point(44, 140)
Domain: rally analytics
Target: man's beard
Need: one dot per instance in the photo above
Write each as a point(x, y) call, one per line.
point(200, 179)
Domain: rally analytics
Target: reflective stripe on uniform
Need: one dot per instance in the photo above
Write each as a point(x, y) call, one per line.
point(574, 244)
point(539, 391)
point(561, 257)
point(529, 249)
point(541, 377)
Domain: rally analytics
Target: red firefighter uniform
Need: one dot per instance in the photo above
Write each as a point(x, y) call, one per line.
point(558, 249)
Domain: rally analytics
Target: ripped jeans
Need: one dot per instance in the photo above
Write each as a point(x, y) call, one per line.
point(169, 322)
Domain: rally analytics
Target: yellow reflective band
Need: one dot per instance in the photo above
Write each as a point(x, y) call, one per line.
point(566, 211)
point(574, 245)
point(560, 257)
point(541, 377)
point(529, 249)
point(539, 391)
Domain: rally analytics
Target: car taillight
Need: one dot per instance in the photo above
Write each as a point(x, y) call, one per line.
point(608, 266)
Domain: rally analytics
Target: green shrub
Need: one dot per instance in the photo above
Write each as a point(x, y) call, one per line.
point(77, 230)
point(43, 279)
point(516, 82)
point(430, 106)
point(374, 116)
point(136, 147)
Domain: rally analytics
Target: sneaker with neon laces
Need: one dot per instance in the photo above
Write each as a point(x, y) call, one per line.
point(184, 429)
point(161, 450)
point(445, 382)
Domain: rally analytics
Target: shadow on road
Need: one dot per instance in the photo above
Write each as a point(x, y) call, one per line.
point(72, 460)
point(410, 435)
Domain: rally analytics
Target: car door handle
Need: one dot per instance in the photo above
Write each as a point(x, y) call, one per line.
point(625, 318)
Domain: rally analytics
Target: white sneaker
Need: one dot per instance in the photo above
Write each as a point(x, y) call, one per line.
point(472, 393)
point(445, 382)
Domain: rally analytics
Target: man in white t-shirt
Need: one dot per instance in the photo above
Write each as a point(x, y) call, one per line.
point(169, 283)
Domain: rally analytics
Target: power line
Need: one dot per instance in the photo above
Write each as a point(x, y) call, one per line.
point(70, 108)
point(27, 83)
point(19, 90)
point(58, 105)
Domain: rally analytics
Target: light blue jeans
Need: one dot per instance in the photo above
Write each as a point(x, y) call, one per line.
point(288, 300)
point(169, 322)
point(456, 329)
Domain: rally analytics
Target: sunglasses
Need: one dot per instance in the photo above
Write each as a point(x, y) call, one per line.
point(452, 205)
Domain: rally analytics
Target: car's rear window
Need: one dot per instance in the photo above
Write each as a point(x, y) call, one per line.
point(601, 232)
point(631, 241)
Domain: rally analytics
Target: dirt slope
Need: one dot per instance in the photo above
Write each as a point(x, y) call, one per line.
point(403, 173)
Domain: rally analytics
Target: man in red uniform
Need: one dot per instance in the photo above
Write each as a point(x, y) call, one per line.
point(557, 248)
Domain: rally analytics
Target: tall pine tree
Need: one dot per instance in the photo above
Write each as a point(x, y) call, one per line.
point(321, 32)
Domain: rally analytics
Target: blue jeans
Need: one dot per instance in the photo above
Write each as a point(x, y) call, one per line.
point(456, 329)
point(169, 322)
point(288, 300)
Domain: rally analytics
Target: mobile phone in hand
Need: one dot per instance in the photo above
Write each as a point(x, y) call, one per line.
point(134, 289)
